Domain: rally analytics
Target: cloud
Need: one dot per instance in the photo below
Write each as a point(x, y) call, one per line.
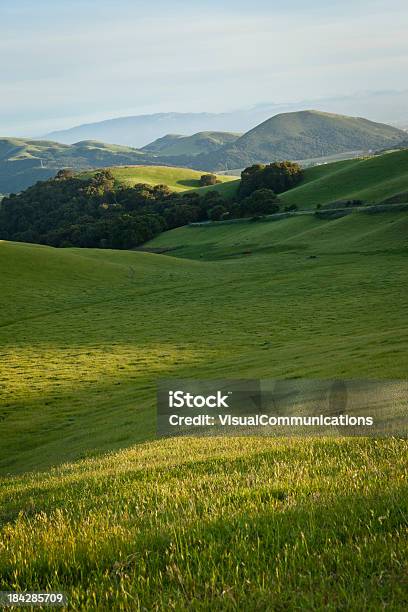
point(61, 63)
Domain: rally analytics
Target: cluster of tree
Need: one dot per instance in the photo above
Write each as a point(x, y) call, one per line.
point(71, 211)
point(97, 212)
point(278, 177)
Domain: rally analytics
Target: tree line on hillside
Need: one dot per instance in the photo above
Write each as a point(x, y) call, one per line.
point(97, 212)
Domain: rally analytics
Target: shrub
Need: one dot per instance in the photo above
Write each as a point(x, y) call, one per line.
point(291, 207)
point(208, 179)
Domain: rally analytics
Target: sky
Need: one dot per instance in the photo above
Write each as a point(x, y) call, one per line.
point(75, 61)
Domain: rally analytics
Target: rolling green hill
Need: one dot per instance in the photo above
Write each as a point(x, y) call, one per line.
point(17, 149)
point(200, 523)
point(202, 142)
point(371, 179)
point(23, 162)
point(301, 135)
point(178, 179)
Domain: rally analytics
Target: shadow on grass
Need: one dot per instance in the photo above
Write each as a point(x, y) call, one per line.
point(189, 183)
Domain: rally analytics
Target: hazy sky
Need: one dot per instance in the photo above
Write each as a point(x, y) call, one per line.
point(65, 62)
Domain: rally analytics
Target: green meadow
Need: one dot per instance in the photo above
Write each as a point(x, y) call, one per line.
point(93, 505)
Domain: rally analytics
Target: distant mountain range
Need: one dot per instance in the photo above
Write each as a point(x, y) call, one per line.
point(140, 130)
point(296, 136)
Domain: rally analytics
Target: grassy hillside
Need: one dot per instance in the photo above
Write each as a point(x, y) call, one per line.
point(178, 179)
point(97, 318)
point(23, 162)
point(372, 179)
point(81, 349)
point(302, 135)
point(227, 188)
point(302, 235)
point(17, 149)
point(201, 524)
point(202, 142)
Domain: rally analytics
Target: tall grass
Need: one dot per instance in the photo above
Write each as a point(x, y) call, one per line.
point(225, 524)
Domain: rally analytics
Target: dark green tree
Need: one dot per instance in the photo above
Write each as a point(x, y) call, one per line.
point(217, 212)
point(260, 202)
